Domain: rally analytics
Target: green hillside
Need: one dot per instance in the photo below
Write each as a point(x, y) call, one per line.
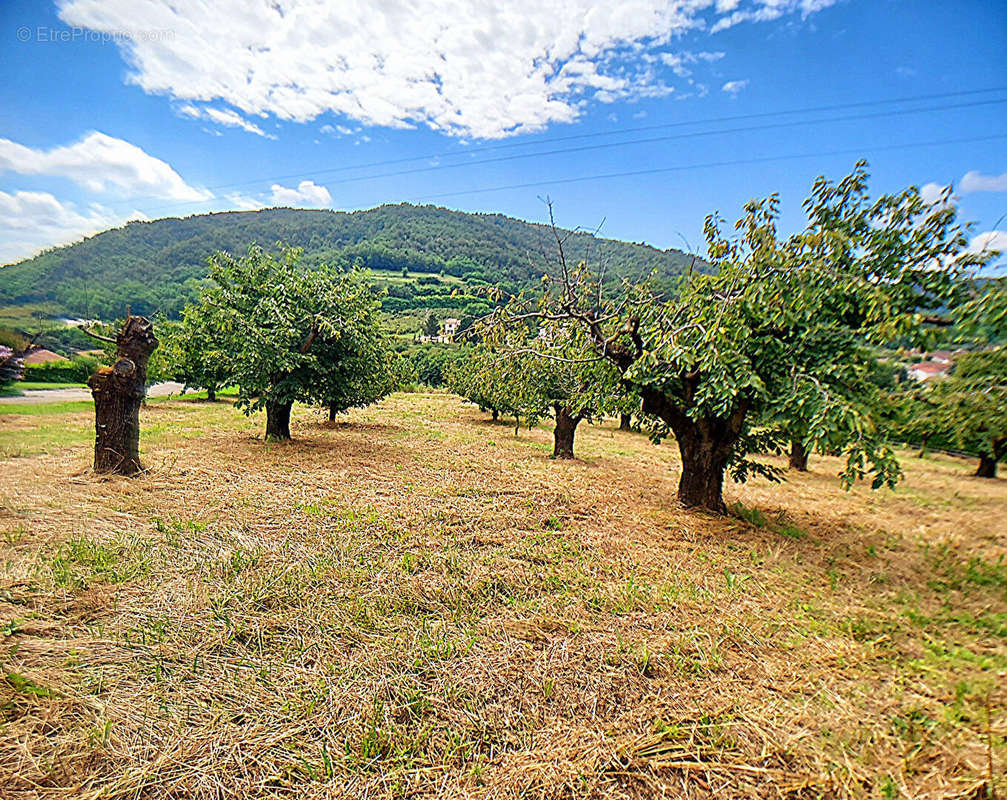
point(158, 266)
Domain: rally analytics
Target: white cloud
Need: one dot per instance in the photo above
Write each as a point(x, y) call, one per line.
point(677, 61)
point(977, 182)
point(766, 11)
point(307, 193)
point(484, 68)
point(223, 116)
point(987, 241)
point(32, 221)
point(101, 163)
point(932, 193)
point(733, 87)
point(244, 202)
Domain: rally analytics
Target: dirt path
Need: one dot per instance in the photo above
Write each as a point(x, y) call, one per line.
point(37, 396)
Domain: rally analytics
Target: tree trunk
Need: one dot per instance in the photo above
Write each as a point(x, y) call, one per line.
point(703, 463)
point(332, 412)
point(987, 467)
point(923, 447)
point(566, 427)
point(496, 414)
point(211, 395)
point(118, 392)
point(278, 422)
point(988, 464)
point(705, 444)
point(625, 422)
point(798, 456)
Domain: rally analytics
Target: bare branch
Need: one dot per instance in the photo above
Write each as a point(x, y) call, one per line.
point(99, 337)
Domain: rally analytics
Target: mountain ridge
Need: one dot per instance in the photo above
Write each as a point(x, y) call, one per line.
point(159, 265)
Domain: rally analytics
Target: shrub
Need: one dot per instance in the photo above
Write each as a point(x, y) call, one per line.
point(77, 370)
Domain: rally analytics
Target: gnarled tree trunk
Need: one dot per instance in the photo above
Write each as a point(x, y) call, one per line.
point(332, 412)
point(496, 414)
point(278, 421)
point(625, 422)
point(704, 460)
point(705, 445)
point(798, 456)
point(566, 427)
point(211, 395)
point(118, 392)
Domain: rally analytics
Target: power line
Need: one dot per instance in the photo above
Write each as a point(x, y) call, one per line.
point(621, 131)
point(712, 165)
point(672, 137)
point(649, 140)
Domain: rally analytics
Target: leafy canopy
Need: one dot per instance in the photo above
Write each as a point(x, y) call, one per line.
point(745, 343)
point(293, 334)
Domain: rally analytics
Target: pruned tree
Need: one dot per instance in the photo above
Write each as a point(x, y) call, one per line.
point(476, 375)
point(727, 351)
point(967, 411)
point(358, 369)
point(194, 350)
point(289, 333)
point(118, 391)
point(553, 366)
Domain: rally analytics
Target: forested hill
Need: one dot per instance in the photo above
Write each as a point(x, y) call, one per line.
point(158, 266)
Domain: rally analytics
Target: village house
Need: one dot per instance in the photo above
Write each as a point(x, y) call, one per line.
point(928, 371)
point(43, 356)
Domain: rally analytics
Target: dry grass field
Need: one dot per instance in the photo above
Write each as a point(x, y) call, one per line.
point(416, 603)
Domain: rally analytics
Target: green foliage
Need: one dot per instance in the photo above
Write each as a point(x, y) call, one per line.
point(194, 350)
point(430, 362)
point(483, 377)
point(13, 340)
point(288, 334)
point(160, 266)
point(554, 366)
point(967, 411)
point(77, 370)
point(431, 326)
point(744, 344)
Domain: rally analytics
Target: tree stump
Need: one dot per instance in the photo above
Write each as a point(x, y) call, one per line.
point(118, 392)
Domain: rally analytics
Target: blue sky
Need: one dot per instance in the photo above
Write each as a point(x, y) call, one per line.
point(118, 109)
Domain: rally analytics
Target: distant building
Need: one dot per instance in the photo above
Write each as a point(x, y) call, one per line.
point(928, 371)
point(43, 356)
point(940, 356)
point(451, 326)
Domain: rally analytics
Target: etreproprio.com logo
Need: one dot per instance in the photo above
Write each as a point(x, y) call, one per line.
point(46, 34)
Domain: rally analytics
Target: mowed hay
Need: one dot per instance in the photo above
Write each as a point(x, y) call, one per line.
point(417, 603)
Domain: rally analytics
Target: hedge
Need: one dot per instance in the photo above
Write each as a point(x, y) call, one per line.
point(76, 371)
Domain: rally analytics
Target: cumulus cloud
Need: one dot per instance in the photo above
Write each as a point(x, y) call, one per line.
point(989, 241)
point(101, 163)
point(977, 182)
point(765, 11)
point(223, 116)
point(485, 68)
point(733, 87)
point(32, 221)
point(933, 193)
point(307, 193)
